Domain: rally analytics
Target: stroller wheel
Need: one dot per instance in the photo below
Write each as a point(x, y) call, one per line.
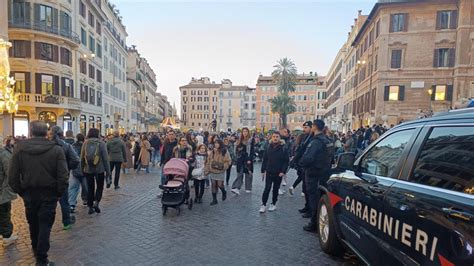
point(164, 209)
point(178, 210)
point(190, 205)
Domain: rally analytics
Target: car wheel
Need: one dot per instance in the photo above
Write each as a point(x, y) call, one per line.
point(328, 238)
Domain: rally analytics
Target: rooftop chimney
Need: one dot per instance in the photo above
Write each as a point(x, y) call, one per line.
point(360, 12)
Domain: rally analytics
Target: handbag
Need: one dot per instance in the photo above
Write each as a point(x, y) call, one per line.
point(217, 165)
point(197, 172)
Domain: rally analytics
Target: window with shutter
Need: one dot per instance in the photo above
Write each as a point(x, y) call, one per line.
point(401, 93)
point(83, 37)
point(82, 9)
point(446, 19)
point(44, 51)
point(396, 60)
point(443, 57)
point(21, 49)
point(398, 22)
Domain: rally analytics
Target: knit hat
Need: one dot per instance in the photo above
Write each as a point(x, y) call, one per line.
point(308, 124)
point(319, 124)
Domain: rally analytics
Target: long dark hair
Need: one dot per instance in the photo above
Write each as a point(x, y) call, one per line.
point(300, 139)
point(222, 147)
point(93, 133)
point(241, 140)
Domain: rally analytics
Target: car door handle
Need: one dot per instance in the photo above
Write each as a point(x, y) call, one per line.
point(376, 189)
point(458, 214)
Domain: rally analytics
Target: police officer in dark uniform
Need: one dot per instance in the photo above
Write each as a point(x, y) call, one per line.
point(300, 149)
point(316, 161)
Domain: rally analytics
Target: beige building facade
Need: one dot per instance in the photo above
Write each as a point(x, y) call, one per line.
point(237, 107)
point(114, 56)
point(310, 99)
point(199, 103)
point(412, 58)
point(51, 67)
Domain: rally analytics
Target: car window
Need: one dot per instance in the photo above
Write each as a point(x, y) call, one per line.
point(446, 159)
point(382, 158)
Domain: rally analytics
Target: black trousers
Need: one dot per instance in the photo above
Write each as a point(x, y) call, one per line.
point(92, 193)
point(312, 189)
point(275, 180)
point(6, 225)
point(227, 174)
point(300, 174)
point(117, 166)
point(40, 212)
point(199, 188)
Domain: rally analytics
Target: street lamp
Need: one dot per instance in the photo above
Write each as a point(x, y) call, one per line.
point(430, 92)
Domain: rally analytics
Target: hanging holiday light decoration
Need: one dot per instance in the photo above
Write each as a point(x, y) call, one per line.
point(8, 97)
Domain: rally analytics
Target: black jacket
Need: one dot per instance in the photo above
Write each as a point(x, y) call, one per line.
point(275, 159)
point(38, 164)
point(317, 158)
point(72, 158)
point(167, 152)
point(155, 142)
point(300, 150)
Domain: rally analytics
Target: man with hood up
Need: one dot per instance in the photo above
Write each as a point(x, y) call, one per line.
point(39, 173)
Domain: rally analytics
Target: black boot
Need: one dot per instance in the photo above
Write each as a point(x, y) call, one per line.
point(224, 194)
point(311, 227)
point(96, 206)
point(214, 199)
point(304, 210)
point(91, 210)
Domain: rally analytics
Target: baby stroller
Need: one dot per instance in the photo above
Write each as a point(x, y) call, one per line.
point(176, 190)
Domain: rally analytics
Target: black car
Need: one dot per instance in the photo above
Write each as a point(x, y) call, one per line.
point(408, 199)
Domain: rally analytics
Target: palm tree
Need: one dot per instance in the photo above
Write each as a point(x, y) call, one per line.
point(283, 105)
point(284, 75)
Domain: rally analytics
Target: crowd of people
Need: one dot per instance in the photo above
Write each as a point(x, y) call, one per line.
point(52, 166)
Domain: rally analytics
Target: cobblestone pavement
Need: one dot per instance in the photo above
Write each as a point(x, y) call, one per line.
point(132, 231)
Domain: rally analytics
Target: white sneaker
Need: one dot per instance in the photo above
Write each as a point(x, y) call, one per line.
point(263, 208)
point(283, 183)
point(291, 190)
point(248, 191)
point(235, 191)
point(302, 194)
point(281, 192)
point(8, 241)
point(272, 208)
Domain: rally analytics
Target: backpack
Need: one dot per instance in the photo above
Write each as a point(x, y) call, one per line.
point(92, 155)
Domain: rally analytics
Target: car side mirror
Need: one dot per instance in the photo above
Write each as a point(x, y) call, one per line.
point(345, 161)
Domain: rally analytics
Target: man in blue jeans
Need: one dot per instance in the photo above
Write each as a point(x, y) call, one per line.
point(155, 144)
point(55, 134)
point(77, 179)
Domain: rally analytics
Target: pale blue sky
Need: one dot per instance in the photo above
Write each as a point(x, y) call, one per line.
point(235, 39)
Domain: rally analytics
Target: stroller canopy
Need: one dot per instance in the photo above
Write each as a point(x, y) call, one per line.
point(176, 167)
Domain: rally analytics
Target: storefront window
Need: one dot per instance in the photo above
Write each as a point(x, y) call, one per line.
point(48, 117)
point(21, 124)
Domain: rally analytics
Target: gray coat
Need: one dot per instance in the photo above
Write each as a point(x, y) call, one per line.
point(116, 150)
point(103, 165)
point(6, 193)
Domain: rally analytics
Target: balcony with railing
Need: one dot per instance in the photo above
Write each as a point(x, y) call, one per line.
point(55, 101)
point(43, 27)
